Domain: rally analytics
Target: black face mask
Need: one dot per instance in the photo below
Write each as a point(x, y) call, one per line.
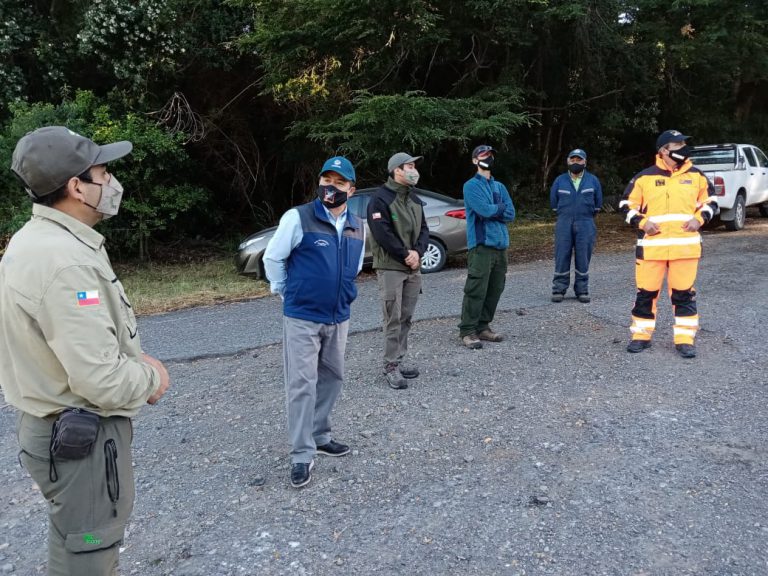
point(576, 168)
point(680, 155)
point(485, 163)
point(330, 196)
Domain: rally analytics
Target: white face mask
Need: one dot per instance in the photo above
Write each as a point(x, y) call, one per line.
point(411, 176)
point(111, 196)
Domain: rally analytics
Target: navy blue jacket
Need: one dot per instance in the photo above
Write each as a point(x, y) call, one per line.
point(321, 270)
point(582, 203)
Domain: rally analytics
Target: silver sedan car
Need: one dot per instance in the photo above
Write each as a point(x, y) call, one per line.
point(446, 220)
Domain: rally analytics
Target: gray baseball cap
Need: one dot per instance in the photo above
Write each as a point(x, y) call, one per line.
point(399, 159)
point(44, 160)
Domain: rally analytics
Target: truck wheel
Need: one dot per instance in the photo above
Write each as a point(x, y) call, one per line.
point(739, 215)
point(764, 210)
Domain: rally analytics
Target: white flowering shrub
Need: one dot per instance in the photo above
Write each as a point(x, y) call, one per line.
point(135, 41)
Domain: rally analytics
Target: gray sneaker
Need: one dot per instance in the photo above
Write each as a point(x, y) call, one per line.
point(394, 378)
point(408, 370)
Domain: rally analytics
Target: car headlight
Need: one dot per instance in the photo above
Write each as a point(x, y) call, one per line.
point(247, 243)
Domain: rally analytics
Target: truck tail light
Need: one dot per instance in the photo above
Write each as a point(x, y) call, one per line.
point(461, 214)
point(719, 186)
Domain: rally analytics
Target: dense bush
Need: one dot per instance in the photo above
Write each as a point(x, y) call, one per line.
point(158, 177)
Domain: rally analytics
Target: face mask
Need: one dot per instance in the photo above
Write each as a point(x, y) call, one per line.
point(111, 196)
point(330, 196)
point(576, 168)
point(485, 163)
point(680, 155)
point(411, 176)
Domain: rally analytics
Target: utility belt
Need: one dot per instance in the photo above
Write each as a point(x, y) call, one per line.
point(73, 437)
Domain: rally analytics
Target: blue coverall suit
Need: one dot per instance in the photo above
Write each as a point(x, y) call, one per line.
point(575, 231)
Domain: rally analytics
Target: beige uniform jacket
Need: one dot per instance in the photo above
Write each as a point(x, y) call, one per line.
point(68, 335)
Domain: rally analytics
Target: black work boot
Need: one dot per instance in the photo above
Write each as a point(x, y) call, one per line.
point(636, 346)
point(686, 350)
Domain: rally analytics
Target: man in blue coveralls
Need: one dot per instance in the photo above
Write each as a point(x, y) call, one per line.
point(576, 196)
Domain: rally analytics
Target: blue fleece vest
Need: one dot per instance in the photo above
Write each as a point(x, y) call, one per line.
point(321, 270)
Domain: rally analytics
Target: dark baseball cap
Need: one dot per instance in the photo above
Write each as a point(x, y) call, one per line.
point(44, 160)
point(578, 152)
point(482, 149)
point(341, 166)
point(399, 159)
point(670, 136)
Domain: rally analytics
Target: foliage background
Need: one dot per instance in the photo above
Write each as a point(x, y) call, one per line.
point(232, 106)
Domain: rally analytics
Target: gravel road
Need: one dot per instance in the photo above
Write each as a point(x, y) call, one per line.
point(553, 452)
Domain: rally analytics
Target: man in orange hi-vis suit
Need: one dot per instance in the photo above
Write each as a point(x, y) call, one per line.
point(667, 204)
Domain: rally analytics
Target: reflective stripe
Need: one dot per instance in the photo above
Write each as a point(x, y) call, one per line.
point(687, 321)
point(638, 330)
point(562, 273)
point(644, 323)
point(631, 214)
point(623, 203)
point(683, 332)
point(564, 191)
point(707, 208)
point(670, 241)
point(670, 218)
point(582, 273)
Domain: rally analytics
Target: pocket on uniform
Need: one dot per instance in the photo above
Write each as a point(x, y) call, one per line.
point(125, 304)
point(98, 538)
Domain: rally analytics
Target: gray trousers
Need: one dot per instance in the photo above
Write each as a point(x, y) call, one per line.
point(399, 292)
point(313, 365)
point(91, 500)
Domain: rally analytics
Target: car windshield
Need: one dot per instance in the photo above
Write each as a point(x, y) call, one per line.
point(709, 156)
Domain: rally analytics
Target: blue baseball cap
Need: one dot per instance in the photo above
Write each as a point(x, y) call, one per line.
point(670, 136)
point(340, 165)
point(482, 149)
point(578, 152)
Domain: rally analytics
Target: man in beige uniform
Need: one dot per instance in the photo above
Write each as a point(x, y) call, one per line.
point(68, 339)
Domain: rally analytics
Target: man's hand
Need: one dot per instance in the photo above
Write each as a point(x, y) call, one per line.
point(692, 225)
point(165, 379)
point(651, 228)
point(413, 260)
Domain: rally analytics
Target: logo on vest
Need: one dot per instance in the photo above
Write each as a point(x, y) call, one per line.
point(661, 182)
point(322, 243)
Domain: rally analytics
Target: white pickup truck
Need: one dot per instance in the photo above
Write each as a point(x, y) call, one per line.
point(739, 173)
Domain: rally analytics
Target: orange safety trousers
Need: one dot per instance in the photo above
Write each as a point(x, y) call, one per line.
point(681, 276)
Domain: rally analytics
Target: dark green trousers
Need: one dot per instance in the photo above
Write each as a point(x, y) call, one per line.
point(486, 276)
point(90, 501)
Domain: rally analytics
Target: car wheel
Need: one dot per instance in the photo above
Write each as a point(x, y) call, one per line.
point(433, 258)
point(739, 215)
point(764, 209)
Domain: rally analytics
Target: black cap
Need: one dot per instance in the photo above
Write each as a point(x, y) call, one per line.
point(482, 149)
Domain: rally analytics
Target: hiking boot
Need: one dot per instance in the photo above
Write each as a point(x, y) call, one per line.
point(557, 297)
point(408, 370)
point(333, 449)
point(301, 474)
point(636, 346)
point(472, 342)
point(686, 350)
point(394, 378)
point(490, 336)
point(584, 298)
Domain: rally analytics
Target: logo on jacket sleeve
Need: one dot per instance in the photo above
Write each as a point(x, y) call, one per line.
point(88, 298)
point(376, 216)
point(322, 243)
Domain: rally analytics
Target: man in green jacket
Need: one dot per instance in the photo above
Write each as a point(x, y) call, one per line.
point(399, 237)
point(70, 351)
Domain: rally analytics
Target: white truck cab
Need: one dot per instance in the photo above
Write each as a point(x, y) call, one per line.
point(739, 173)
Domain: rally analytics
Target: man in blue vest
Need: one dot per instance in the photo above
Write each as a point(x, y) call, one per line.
point(576, 196)
point(312, 262)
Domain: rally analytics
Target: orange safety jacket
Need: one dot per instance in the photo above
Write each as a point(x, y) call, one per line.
point(668, 198)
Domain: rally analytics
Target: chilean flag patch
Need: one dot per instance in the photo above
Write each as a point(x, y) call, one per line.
point(376, 216)
point(88, 298)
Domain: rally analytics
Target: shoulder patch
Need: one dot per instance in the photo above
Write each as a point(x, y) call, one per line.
point(88, 298)
point(376, 216)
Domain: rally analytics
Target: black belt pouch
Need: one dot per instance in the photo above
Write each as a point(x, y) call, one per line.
point(74, 434)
